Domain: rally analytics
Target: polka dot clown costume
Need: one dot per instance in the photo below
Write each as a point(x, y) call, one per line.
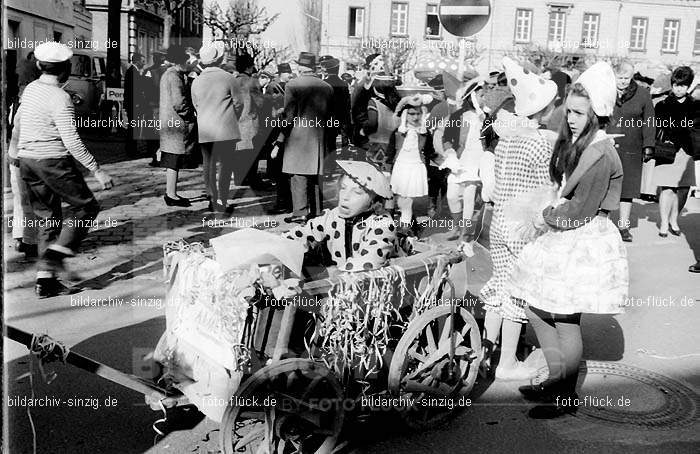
point(352, 235)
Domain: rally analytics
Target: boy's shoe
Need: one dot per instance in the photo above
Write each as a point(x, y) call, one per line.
point(50, 287)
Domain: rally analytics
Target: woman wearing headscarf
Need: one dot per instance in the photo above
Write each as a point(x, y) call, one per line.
point(633, 119)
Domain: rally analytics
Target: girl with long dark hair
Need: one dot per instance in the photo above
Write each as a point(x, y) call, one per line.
point(579, 265)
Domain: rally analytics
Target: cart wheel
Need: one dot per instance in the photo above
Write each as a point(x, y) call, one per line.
point(420, 368)
point(305, 417)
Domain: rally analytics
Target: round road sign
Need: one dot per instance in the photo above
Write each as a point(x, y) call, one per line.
point(464, 17)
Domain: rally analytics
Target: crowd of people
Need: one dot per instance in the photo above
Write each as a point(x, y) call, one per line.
point(555, 158)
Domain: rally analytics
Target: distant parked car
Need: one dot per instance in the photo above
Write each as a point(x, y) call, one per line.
point(86, 84)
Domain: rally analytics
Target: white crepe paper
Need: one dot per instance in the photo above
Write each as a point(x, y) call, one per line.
point(242, 248)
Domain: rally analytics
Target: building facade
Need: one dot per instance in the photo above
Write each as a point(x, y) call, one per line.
point(657, 30)
point(141, 26)
point(36, 21)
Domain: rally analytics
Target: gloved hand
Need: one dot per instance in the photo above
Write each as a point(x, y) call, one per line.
point(104, 179)
point(274, 152)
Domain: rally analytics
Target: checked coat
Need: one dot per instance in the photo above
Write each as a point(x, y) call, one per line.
point(521, 165)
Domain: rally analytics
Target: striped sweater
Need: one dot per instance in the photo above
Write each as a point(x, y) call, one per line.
point(44, 126)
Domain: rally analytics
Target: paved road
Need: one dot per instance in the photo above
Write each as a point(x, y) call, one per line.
point(121, 259)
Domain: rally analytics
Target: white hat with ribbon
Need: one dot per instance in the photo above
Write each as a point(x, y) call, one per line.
point(600, 83)
point(532, 92)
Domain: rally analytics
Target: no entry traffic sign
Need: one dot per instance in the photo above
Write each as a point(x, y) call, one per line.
point(464, 17)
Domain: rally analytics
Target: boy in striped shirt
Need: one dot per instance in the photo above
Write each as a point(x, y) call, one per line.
point(44, 140)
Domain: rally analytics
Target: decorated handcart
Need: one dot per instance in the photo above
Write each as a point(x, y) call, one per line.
point(281, 374)
point(281, 371)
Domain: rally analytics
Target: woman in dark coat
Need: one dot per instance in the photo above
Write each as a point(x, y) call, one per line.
point(633, 116)
point(675, 115)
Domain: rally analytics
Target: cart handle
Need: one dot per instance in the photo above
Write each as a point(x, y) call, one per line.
point(133, 382)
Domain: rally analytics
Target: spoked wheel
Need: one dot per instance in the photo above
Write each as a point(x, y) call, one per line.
point(306, 415)
point(421, 371)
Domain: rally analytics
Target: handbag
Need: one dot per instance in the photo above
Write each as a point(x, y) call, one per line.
point(664, 150)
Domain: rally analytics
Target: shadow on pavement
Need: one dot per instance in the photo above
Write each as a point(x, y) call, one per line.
point(88, 413)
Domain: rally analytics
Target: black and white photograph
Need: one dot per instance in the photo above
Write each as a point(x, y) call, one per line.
point(350, 226)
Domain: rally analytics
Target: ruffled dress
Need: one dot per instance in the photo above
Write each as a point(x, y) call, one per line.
point(580, 268)
point(409, 176)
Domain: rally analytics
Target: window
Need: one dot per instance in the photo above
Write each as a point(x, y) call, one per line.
point(523, 25)
point(696, 47)
point(591, 24)
point(399, 18)
point(57, 36)
point(669, 42)
point(80, 65)
point(557, 26)
point(638, 39)
point(356, 22)
point(432, 21)
point(14, 29)
point(142, 42)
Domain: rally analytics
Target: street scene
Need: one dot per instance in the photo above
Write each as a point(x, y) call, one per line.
point(350, 226)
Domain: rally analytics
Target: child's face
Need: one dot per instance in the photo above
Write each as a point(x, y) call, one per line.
point(679, 90)
point(413, 115)
point(577, 113)
point(352, 198)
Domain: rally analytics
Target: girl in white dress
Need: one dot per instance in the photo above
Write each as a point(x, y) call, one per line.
point(409, 151)
point(463, 161)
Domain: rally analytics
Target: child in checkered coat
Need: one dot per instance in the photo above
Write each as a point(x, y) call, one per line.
point(521, 165)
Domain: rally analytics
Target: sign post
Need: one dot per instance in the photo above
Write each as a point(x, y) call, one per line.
point(464, 18)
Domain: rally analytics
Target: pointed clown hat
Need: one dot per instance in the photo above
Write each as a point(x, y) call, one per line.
point(600, 83)
point(532, 93)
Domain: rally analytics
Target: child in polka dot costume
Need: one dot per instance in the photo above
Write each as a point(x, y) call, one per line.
point(353, 234)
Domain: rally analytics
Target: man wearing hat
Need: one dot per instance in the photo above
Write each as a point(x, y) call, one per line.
point(246, 169)
point(340, 119)
point(47, 143)
point(275, 91)
point(134, 93)
point(307, 108)
point(153, 74)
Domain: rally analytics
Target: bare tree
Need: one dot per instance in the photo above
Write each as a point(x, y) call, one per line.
point(240, 25)
point(312, 11)
point(169, 9)
point(398, 57)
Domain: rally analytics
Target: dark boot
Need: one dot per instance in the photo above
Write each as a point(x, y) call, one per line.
point(564, 400)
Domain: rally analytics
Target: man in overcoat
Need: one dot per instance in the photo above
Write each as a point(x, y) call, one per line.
point(246, 167)
point(340, 112)
point(307, 109)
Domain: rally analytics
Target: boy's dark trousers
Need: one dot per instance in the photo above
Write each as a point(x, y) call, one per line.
point(437, 184)
point(48, 183)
